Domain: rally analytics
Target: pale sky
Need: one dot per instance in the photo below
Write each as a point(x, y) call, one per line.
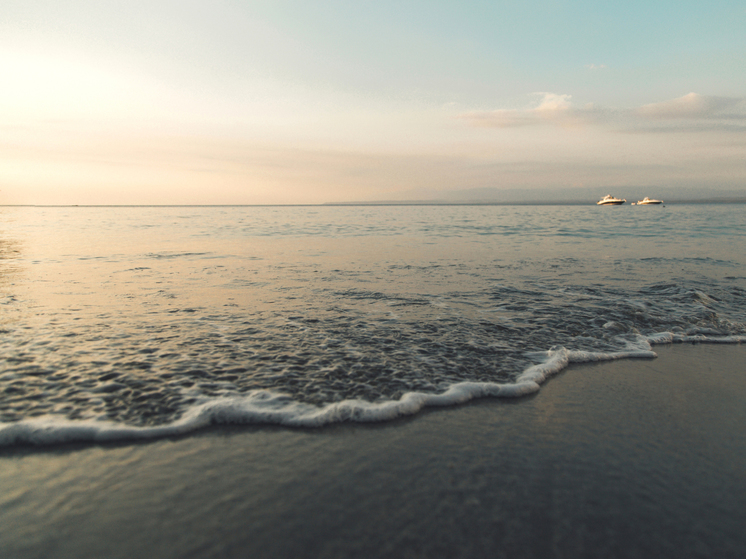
point(288, 101)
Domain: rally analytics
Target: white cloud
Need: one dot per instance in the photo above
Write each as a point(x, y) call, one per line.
point(552, 107)
point(552, 102)
point(693, 105)
point(707, 112)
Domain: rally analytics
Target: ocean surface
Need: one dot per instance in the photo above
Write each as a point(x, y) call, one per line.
point(143, 322)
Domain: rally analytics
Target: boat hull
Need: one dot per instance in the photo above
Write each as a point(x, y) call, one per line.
point(610, 200)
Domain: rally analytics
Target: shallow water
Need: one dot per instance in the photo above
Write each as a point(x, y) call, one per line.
point(141, 322)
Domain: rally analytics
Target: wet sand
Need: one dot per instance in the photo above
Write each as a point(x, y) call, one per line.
point(635, 458)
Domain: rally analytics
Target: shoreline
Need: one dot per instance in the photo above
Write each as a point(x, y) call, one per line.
point(265, 408)
point(641, 458)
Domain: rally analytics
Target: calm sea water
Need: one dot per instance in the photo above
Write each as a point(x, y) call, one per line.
point(135, 322)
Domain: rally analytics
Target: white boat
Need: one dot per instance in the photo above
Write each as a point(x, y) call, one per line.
point(609, 200)
point(647, 201)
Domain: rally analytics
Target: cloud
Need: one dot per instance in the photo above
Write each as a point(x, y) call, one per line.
point(551, 102)
point(691, 112)
point(695, 106)
point(596, 66)
point(552, 107)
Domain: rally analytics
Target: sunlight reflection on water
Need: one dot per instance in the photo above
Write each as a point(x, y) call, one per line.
point(134, 314)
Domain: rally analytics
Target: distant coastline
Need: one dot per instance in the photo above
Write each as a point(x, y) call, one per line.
point(374, 203)
point(519, 203)
point(498, 198)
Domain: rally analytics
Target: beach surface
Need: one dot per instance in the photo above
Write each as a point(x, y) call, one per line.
point(634, 458)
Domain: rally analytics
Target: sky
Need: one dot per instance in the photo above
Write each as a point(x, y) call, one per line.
point(299, 102)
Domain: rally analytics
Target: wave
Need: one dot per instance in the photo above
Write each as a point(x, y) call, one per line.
point(265, 407)
point(269, 408)
point(670, 337)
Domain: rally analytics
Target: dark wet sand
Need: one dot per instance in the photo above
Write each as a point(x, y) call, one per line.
point(637, 458)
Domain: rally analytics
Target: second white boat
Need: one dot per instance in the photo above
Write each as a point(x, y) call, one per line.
point(647, 201)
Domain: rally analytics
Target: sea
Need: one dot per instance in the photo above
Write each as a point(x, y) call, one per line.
point(127, 323)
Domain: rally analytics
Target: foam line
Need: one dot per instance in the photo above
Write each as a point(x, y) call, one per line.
point(259, 407)
point(266, 407)
point(561, 358)
point(670, 337)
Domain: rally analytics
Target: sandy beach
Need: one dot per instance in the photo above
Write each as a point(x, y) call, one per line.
point(635, 458)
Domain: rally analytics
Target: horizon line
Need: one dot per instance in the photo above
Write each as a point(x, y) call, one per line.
point(360, 204)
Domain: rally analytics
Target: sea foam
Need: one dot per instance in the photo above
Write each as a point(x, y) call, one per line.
point(264, 407)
